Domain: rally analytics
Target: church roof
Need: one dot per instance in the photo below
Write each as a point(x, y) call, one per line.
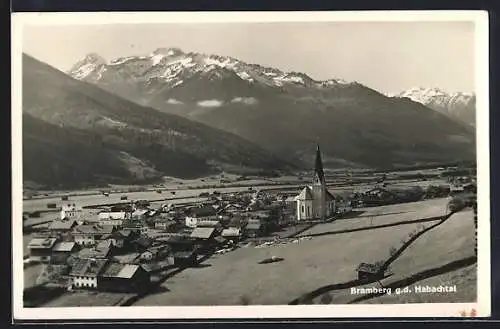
point(318, 166)
point(305, 194)
point(329, 196)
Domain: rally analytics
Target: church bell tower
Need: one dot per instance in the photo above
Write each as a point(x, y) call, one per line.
point(319, 187)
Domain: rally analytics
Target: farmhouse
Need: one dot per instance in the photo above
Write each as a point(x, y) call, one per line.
point(85, 272)
point(315, 201)
point(369, 271)
point(123, 278)
point(40, 249)
point(89, 234)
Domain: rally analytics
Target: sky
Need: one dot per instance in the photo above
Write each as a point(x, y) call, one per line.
point(387, 56)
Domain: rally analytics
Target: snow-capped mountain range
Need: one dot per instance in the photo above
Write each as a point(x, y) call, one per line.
point(460, 105)
point(173, 67)
point(286, 113)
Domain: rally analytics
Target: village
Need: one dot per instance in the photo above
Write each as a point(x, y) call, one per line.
point(134, 246)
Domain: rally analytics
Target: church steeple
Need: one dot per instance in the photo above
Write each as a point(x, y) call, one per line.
point(319, 175)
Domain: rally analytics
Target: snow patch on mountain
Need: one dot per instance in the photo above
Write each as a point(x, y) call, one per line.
point(121, 60)
point(244, 75)
point(210, 103)
point(290, 78)
point(84, 70)
point(156, 59)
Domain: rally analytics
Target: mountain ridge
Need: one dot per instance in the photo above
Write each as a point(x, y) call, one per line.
point(160, 143)
point(286, 112)
point(458, 105)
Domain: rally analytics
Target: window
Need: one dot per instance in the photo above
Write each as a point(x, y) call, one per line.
point(303, 208)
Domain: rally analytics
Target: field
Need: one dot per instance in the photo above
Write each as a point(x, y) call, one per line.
point(181, 195)
point(326, 259)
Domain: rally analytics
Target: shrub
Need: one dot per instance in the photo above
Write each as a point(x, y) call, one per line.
point(393, 251)
point(456, 204)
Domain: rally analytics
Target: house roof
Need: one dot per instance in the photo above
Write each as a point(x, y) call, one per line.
point(370, 268)
point(202, 232)
point(123, 271)
point(88, 267)
point(42, 243)
point(232, 231)
point(64, 246)
point(89, 253)
point(305, 194)
point(62, 225)
point(183, 254)
point(92, 229)
point(253, 226)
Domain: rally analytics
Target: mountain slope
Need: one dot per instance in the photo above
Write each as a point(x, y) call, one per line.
point(160, 143)
point(285, 112)
point(459, 105)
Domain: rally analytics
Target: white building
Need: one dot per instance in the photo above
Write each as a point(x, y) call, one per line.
point(118, 215)
point(315, 201)
point(85, 272)
point(71, 212)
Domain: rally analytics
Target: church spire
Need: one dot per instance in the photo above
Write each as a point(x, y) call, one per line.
point(319, 176)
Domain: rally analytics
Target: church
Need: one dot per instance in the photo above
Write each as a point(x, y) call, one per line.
point(315, 201)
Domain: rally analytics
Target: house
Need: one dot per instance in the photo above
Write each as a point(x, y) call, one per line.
point(254, 229)
point(165, 224)
point(185, 258)
point(142, 243)
point(202, 211)
point(40, 249)
point(62, 250)
point(102, 250)
point(121, 238)
point(85, 272)
point(209, 223)
point(232, 208)
point(140, 214)
point(179, 243)
point(155, 253)
point(231, 233)
point(121, 215)
point(315, 201)
point(88, 234)
point(62, 226)
point(369, 271)
point(71, 211)
point(118, 277)
point(203, 233)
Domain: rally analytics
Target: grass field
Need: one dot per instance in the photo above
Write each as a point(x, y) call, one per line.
point(308, 265)
point(447, 243)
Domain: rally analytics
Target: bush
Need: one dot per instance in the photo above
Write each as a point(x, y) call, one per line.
point(393, 251)
point(456, 204)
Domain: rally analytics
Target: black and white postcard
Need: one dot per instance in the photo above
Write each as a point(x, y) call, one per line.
point(250, 165)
